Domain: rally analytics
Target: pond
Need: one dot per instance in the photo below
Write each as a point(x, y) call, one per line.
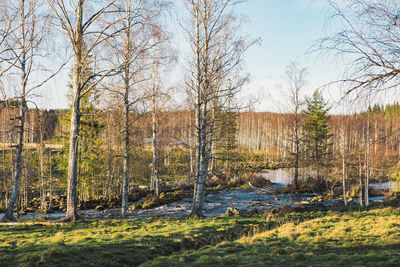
point(279, 176)
point(283, 177)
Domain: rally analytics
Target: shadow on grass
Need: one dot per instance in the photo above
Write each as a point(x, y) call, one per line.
point(283, 252)
point(136, 241)
point(123, 242)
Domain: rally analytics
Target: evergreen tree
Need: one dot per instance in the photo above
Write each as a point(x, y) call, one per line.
point(316, 132)
point(91, 159)
point(226, 132)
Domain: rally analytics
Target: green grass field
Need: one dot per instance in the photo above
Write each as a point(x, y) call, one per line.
point(318, 238)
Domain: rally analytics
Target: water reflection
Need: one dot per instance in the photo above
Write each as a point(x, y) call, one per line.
point(279, 176)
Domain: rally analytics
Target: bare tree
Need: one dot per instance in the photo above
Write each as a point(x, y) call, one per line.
point(159, 98)
point(217, 51)
point(131, 49)
point(24, 53)
point(7, 27)
point(296, 80)
point(87, 27)
point(370, 40)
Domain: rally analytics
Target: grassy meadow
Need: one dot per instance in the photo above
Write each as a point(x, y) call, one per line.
point(315, 238)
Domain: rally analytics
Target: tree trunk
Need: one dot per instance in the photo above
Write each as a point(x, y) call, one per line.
point(367, 164)
point(198, 197)
point(72, 213)
point(211, 144)
point(344, 164)
point(50, 180)
point(154, 174)
point(296, 162)
point(72, 209)
point(190, 134)
point(361, 182)
point(127, 156)
point(41, 149)
point(198, 186)
point(18, 161)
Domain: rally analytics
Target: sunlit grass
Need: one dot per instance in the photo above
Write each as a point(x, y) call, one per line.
point(307, 238)
point(110, 242)
point(367, 238)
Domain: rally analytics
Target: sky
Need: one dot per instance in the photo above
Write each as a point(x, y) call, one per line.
point(287, 29)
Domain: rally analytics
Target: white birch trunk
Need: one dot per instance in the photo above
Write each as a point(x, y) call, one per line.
point(72, 208)
point(21, 122)
point(344, 164)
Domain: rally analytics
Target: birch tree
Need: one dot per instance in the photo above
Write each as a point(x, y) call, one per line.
point(296, 79)
point(131, 49)
point(159, 98)
point(216, 51)
point(26, 24)
point(367, 156)
point(87, 28)
point(368, 40)
point(343, 148)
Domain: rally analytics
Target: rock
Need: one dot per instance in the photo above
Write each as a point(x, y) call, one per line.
point(256, 203)
point(302, 203)
point(99, 208)
point(232, 211)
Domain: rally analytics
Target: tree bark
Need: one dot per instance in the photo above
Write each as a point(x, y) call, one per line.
point(22, 105)
point(18, 161)
point(155, 178)
point(367, 164)
point(344, 164)
point(72, 213)
point(198, 186)
point(127, 156)
point(361, 181)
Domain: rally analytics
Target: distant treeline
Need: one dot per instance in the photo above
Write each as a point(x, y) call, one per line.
point(267, 136)
point(256, 131)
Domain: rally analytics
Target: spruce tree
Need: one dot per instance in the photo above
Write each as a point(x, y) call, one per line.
point(91, 160)
point(317, 132)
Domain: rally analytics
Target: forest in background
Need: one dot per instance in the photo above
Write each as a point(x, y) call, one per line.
point(125, 136)
point(138, 170)
point(256, 141)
